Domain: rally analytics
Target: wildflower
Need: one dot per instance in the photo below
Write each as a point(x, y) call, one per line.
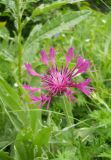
point(59, 81)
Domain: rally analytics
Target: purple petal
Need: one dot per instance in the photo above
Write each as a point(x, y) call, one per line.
point(86, 82)
point(31, 71)
point(70, 96)
point(44, 57)
point(29, 88)
point(68, 92)
point(45, 99)
point(80, 60)
point(52, 55)
point(49, 100)
point(35, 99)
point(83, 86)
point(69, 56)
point(81, 66)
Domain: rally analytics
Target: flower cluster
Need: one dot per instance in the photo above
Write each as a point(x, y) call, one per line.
point(59, 81)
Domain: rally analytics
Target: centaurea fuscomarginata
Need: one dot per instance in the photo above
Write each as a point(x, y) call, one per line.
point(59, 81)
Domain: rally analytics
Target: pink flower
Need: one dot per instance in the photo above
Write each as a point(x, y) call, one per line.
point(59, 81)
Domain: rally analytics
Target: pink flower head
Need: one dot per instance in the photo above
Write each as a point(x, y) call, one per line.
point(59, 81)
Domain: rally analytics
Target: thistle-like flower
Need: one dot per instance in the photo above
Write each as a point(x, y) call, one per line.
point(59, 81)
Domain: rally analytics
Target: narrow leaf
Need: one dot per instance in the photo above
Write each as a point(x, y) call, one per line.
point(56, 25)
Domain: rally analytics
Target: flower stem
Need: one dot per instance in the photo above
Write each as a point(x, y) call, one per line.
point(69, 117)
point(67, 108)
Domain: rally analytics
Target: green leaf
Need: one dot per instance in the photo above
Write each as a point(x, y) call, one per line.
point(5, 143)
point(28, 146)
point(7, 49)
point(56, 25)
point(5, 156)
point(106, 154)
point(2, 24)
point(42, 137)
point(11, 104)
point(62, 23)
point(34, 119)
point(4, 33)
point(43, 9)
point(46, 8)
point(19, 114)
point(24, 148)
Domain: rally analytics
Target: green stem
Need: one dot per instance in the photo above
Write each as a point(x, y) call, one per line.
point(19, 37)
point(68, 112)
point(20, 63)
point(69, 116)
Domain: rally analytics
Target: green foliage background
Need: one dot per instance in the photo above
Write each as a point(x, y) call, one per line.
point(30, 133)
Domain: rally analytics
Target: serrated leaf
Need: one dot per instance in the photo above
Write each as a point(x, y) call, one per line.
point(56, 25)
point(44, 9)
point(62, 23)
